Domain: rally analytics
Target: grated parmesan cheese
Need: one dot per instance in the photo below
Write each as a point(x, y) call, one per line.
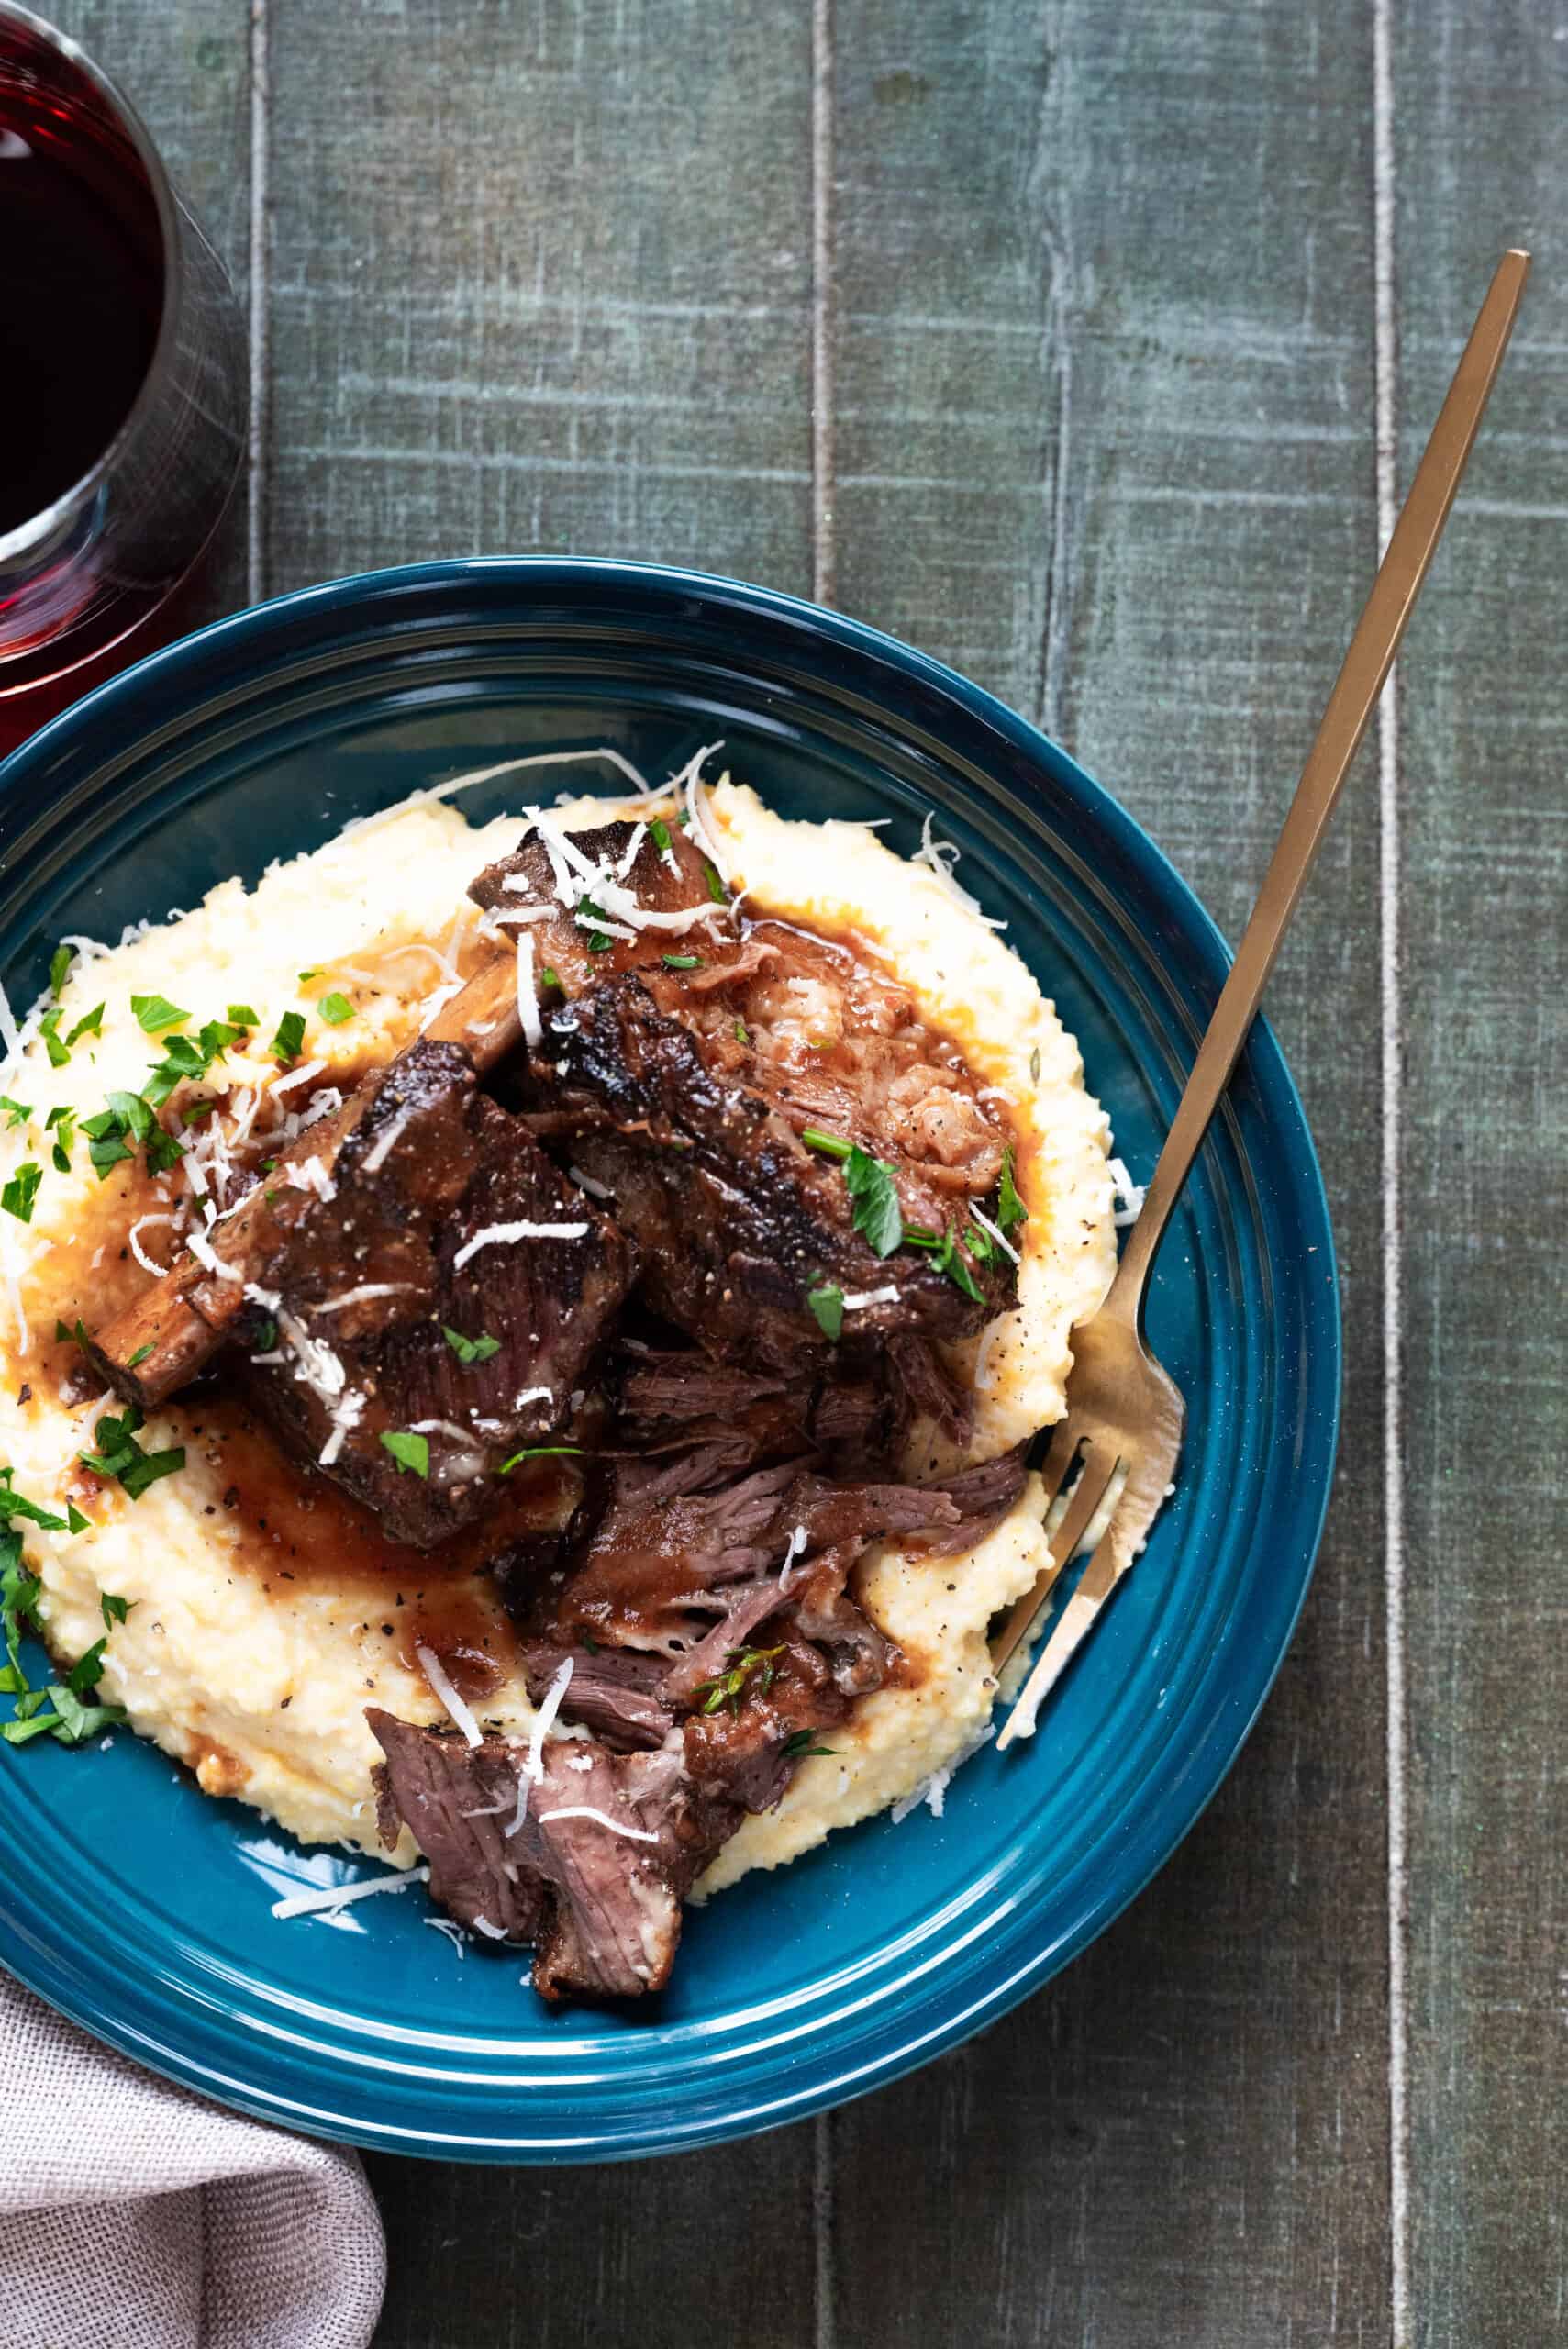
point(336, 1896)
point(431, 1666)
point(496, 1235)
point(544, 1720)
point(940, 857)
point(136, 1250)
point(362, 1296)
point(206, 1255)
point(1128, 1196)
point(527, 993)
point(997, 1234)
point(376, 1156)
point(586, 1810)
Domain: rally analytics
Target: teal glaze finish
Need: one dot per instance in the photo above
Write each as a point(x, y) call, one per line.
point(142, 1910)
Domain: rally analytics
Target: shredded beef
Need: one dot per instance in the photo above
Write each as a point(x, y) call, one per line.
point(612, 1691)
point(599, 1897)
point(361, 1285)
point(738, 1221)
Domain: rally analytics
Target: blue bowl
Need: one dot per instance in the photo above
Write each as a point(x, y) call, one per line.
point(142, 1910)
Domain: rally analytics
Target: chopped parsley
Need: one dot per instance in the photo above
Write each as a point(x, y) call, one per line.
point(130, 1121)
point(740, 1035)
point(88, 1670)
point(797, 1747)
point(948, 1260)
point(599, 942)
point(658, 831)
point(114, 1609)
point(49, 1029)
point(285, 1045)
point(183, 1058)
point(827, 1302)
point(876, 1213)
point(63, 1123)
point(15, 1505)
point(306, 976)
point(830, 1145)
point(216, 1038)
point(945, 1255)
point(535, 1452)
point(134, 1113)
point(120, 1456)
point(140, 1355)
point(19, 1193)
point(411, 1452)
point(681, 962)
point(16, 1112)
point(107, 1144)
point(242, 1015)
point(60, 1709)
point(163, 1151)
point(59, 966)
point(715, 886)
point(119, 1131)
point(155, 1013)
point(471, 1349)
point(979, 1245)
point(549, 978)
point(90, 1024)
point(1010, 1208)
point(728, 1686)
point(334, 1009)
point(18, 1611)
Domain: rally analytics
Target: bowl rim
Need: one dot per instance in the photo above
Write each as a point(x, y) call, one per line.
point(1179, 1806)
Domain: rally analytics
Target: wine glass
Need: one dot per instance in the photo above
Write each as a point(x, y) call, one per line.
point(123, 384)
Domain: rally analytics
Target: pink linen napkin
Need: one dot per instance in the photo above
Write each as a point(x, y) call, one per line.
point(133, 2215)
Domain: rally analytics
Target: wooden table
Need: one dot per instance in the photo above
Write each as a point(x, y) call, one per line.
point(1087, 346)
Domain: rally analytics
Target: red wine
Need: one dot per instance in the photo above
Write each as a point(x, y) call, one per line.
point(83, 295)
point(123, 383)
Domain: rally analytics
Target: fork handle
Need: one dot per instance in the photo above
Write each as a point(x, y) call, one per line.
point(1351, 705)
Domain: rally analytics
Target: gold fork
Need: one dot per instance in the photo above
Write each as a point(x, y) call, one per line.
point(1124, 1413)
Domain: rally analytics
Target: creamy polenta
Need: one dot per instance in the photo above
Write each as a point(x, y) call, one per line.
point(237, 1653)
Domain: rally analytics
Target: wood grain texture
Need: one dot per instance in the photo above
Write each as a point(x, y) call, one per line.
point(1480, 164)
point(541, 283)
point(712, 2247)
point(1099, 309)
point(184, 65)
point(1105, 367)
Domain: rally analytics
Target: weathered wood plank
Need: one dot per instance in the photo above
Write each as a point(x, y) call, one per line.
point(545, 284)
point(1105, 363)
point(714, 2246)
point(185, 68)
point(541, 284)
point(1480, 164)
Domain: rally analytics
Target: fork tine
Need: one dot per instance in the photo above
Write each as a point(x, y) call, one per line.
point(1065, 1446)
point(1100, 1577)
point(1100, 1467)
